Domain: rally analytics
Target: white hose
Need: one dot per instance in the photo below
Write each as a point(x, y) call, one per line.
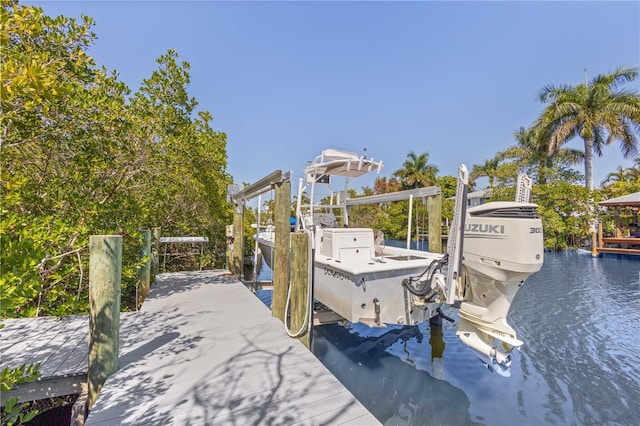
point(306, 324)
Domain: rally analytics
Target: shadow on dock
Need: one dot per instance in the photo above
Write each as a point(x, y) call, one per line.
point(205, 353)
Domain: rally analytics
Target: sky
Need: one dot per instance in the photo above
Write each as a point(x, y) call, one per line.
point(285, 80)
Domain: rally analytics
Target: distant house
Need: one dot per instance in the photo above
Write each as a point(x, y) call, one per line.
point(476, 198)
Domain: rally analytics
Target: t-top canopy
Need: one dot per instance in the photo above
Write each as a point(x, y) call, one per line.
point(335, 162)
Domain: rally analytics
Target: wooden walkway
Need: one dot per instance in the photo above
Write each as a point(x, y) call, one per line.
point(204, 350)
point(59, 345)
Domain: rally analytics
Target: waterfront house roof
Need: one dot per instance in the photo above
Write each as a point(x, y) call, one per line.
point(632, 200)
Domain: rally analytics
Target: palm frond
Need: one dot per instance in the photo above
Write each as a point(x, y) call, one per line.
point(628, 141)
point(613, 79)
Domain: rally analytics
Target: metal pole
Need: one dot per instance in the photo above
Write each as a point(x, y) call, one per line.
point(409, 224)
point(256, 248)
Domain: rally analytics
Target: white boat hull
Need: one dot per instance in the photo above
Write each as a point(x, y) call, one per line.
point(362, 282)
point(267, 249)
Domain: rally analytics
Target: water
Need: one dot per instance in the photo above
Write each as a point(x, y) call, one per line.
point(580, 364)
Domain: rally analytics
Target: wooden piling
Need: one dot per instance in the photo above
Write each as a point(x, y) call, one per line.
point(434, 210)
point(299, 284)
point(238, 240)
point(600, 235)
point(155, 251)
point(105, 274)
point(282, 213)
point(144, 274)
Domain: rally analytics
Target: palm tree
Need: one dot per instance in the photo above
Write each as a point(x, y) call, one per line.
point(416, 172)
point(532, 152)
point(489, 169)
point(621, 174)
point(598, 112)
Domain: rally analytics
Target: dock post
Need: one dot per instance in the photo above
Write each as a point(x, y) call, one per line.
point(434, 210)
point(281, 256)
point(299, 284)
point(238, 241)
point(105, 274)
point(600, 234)
point(155, 251)
point(594, 238)
point(144, 274)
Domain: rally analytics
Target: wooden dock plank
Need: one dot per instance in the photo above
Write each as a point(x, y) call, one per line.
point(621, 240)
point(59, 345)
point(44, 340)
point(206, 350)
point(13, 326)
point(16, 331)
point(617, 250)
point(72, 339)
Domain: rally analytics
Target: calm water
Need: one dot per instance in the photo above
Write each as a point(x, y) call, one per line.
point(580, 364)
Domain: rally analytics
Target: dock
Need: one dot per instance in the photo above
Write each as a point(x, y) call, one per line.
point(205, 350)
point(202, 350)
point(61, 347)
point(620, 245)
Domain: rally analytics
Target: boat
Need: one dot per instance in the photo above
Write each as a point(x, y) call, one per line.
point(492, 249)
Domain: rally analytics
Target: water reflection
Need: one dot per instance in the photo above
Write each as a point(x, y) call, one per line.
point(388, 371)
point(583, 338)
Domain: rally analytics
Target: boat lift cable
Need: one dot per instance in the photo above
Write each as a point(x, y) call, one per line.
point(256, 248)
point(306, 324)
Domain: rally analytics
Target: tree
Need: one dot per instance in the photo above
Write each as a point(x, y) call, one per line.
point(64, 159)
point(531, 154)
point(382, 185)
point(416, 172)
point(488, 169)
point(79, 157)
point(564, 210)
point(598, 112)
point(621, 174)
point(623, 181)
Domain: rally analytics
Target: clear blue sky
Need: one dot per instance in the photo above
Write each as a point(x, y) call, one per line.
point(285, 80)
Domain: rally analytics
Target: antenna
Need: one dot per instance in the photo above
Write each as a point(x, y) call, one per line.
point(586, 82)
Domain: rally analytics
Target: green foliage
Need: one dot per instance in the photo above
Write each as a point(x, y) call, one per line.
point(13, 411)
point(416, 172)
point(531, 155)
point(564, 209)
point(599, 112)
point(22, 374)
point(80, 156)
point(487, 169)
point(250, 218)
point(623, 181)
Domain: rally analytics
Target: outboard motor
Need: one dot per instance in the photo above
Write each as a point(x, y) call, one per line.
point(503, 246)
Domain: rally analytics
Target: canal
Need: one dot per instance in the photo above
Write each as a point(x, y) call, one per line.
point(580, 365)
